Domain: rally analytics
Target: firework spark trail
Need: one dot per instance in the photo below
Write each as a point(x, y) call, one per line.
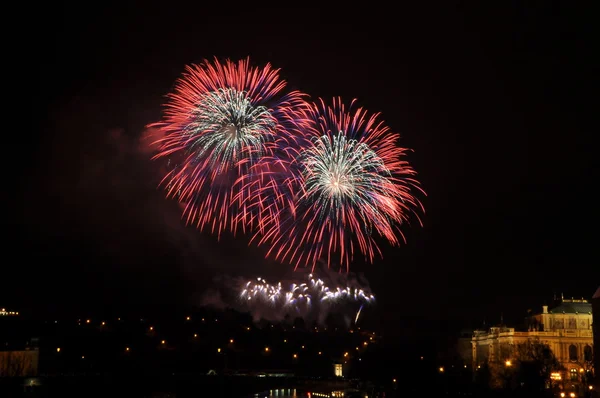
point(300, 298)
point(221, 119)
point(358, 314)
point(349, 181)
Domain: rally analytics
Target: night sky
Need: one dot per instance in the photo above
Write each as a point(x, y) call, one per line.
point(495, 102)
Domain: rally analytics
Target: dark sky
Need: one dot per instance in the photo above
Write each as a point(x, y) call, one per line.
point(495, 102)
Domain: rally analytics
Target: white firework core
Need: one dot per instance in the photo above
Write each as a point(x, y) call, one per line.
point(227, 128)
point(338, 169)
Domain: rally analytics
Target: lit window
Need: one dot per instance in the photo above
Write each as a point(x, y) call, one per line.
point(573, 374)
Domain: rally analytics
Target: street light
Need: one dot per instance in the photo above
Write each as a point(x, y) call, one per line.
point(508, 363)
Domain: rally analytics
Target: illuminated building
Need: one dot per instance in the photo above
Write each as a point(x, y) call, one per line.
point(19, 363)
point(566, 328)
point(3, 312)
point(338, 370)
point(596, 330)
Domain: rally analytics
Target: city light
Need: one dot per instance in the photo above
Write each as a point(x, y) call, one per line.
point(508, 363)
point(240, 344)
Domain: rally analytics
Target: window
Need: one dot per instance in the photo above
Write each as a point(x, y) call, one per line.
point(572, 353)
point(573, 373)
point(559, 324)
point(587, 353)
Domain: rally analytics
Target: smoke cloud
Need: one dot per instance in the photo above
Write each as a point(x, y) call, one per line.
point(92, 206)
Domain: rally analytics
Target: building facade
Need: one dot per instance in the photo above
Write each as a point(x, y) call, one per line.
point(566, 328)
point(19, 363)
point(4, 312)
point(596, 329)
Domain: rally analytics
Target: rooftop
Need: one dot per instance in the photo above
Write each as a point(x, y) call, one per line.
point(572, 307)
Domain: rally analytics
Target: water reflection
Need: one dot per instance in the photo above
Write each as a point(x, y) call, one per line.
point(281, 393)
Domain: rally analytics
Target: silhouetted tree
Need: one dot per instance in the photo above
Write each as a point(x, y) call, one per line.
point(535, 361)
point(482, 377)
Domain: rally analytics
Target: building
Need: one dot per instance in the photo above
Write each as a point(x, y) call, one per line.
point(596, 329)
point(19, 363)
point(338, 370)
point(3, 312)
point(566, 328)
point(464, 347)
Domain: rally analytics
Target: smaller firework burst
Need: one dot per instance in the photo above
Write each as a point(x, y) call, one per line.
point(313, 298)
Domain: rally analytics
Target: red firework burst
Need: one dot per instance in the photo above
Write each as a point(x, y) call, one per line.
point(221, 119)
point(350, 183)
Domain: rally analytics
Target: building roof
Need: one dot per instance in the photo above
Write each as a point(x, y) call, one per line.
point(597, 294)
point(572, 307)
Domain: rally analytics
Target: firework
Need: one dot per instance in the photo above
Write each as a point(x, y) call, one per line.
point(221, 119)
point(358, 314)
point(351, 182)
point(312, 297)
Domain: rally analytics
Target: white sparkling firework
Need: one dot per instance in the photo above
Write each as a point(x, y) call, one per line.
point(301, 298)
